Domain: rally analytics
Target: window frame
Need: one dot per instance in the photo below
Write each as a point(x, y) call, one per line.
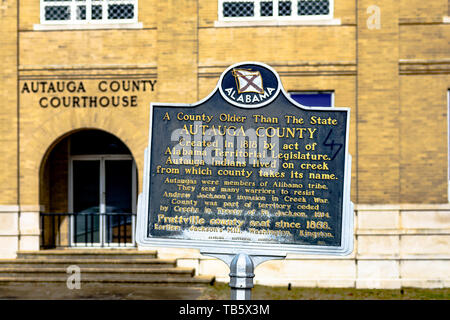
point(257, 13)
point(332, 92)
point(88, 21)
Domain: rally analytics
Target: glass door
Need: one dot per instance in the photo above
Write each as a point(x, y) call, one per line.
point(86, 202)
point(102, 200)
point(119, 201)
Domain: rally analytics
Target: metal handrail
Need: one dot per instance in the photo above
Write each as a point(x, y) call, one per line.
point(86, 231)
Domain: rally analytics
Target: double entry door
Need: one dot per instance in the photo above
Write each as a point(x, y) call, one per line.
point(102, 200)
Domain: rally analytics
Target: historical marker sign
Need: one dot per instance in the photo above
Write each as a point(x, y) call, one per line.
point(247, 169)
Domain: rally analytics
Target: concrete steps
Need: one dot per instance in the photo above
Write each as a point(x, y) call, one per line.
point(87, 254)
point(98, 266)
point(88, 263)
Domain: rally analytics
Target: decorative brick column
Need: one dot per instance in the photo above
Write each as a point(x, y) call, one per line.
point(9, 231)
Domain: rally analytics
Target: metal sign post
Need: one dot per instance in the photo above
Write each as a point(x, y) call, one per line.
point(247, 175)
point(242, 267)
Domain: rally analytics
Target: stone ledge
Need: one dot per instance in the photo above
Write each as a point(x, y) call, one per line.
point(9, 209)
point(97, 26)
point(402, 207)
point(402, 257)
point(22, 208)
point(277, 23)
point(9, 234)
point(307, 283)
point(401, 232)
point(32, 208)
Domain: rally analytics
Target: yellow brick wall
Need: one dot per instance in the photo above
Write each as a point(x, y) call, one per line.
point(276, 45)
point(58, 182)
point(87, 56)
point(425, 41)
point(29, 15)
point(344, 10)
point(394, 79)
point(378, 106)
point(423, 129)
point(177, 51)
point(30, 10)
point(424, 68)
point(8, 103)
point(417, 10)
point(50, 124)
point(89, 48)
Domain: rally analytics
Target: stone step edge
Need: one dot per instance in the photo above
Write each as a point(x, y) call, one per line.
point(194, 280)
point(88, 261)
point(88, 252)
point(101, 270)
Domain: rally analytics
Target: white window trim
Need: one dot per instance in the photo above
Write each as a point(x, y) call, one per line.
point(257, 20)
point(315, 92)
point(97, 26)
point(74, 24)
point(255, 23)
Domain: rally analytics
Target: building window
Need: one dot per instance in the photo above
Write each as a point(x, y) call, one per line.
point(241, 10)
point(88, 11)
point(314, 98)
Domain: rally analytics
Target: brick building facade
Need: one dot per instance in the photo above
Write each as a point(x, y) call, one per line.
point(70, 69)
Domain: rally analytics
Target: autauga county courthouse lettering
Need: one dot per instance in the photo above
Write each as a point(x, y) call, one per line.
point(81, 94)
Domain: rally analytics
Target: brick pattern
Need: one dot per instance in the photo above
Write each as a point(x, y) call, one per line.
point(394, 79)
point(378, 105)
point(8, 103)
point(395, 246)
point(423, 126)
point(177, 51)
point(398, 129)
point(417, 10)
